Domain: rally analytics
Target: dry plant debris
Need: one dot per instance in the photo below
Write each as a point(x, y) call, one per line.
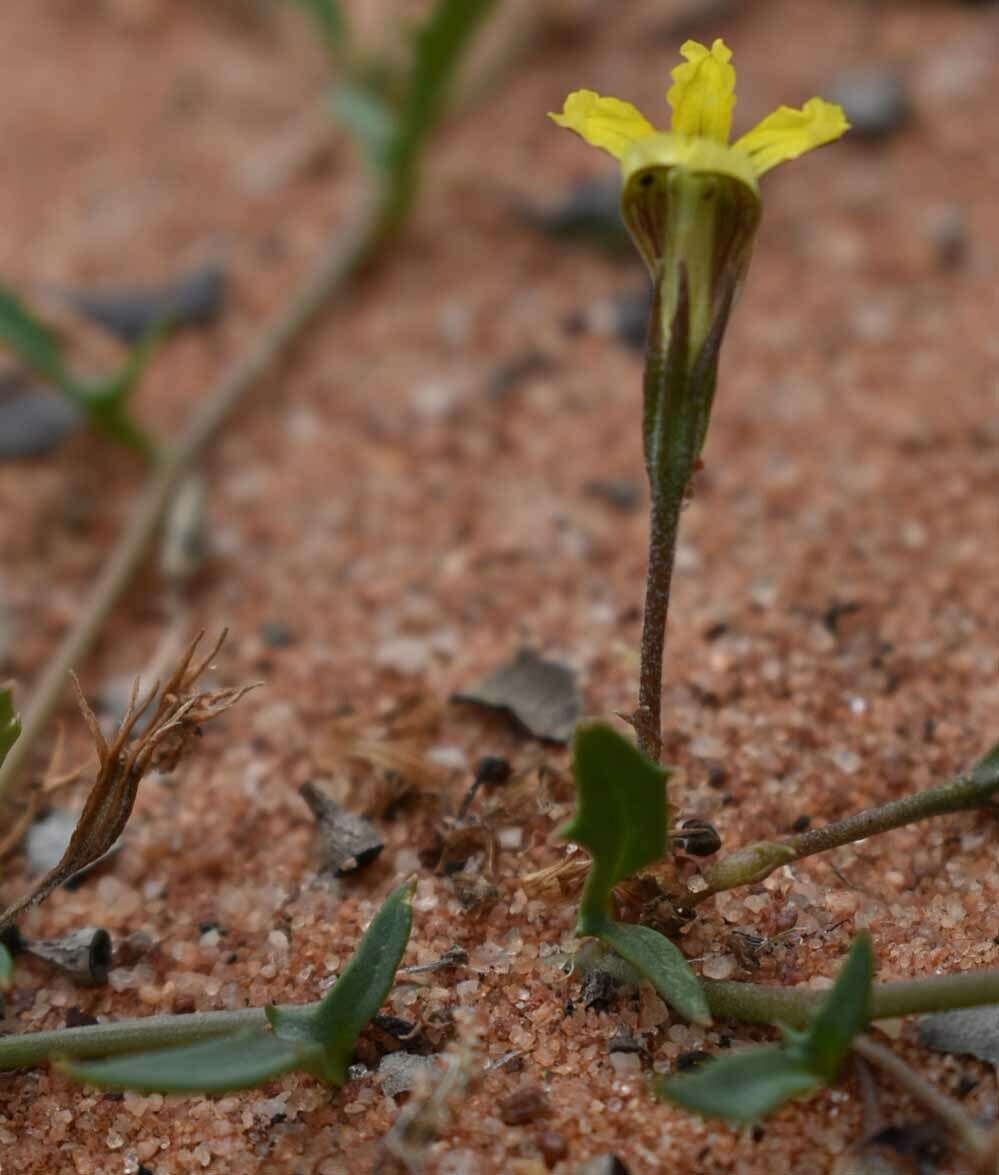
point(170, 733)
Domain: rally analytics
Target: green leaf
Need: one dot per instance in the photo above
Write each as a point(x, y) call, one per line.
point(103, 400)
point(437, 51)
point(232, 1062)
point(746, 1085)
point(32, 342)
point(621, 814)
point(10, 723)
point(6, 969)
point(662, 964)
point(330, 21)
point(369, 118)
point(844, 1012)
point(743, 1086)
point(357, 994)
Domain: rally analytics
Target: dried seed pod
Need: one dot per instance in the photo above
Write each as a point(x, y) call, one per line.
point(171, 732)
point(697, 837)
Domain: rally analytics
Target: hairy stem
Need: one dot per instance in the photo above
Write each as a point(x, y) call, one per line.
point(664, 524)
point(979, 1143)
point(972, 790)
point(758, 1004)
point(125, 1036)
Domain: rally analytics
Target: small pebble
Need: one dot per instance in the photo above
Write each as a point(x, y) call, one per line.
point(523, 1105)
point(35, 421)
point(874, 99)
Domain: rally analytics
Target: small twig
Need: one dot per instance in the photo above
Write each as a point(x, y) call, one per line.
point(349, 249)
point(977, 1141)
point(974, 789)
point(758, 1004)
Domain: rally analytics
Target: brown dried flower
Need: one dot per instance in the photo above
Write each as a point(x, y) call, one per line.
point(175, 723)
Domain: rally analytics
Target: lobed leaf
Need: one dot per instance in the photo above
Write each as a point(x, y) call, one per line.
point(358, 993)
point(239, 1061)
point(621, 814)
point(662, 964)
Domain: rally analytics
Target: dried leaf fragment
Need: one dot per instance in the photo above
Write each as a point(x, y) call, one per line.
point(348, 841)
point(179, 712)
point(541, 695)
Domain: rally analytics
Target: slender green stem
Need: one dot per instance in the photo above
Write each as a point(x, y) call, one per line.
point(971, 790)
point(126, 1036)
point(979, 1143)
point(755, 1003)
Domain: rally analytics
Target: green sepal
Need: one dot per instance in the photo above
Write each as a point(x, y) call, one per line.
point(239, 1061)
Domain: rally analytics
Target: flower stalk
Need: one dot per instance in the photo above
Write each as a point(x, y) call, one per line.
point(691, 203)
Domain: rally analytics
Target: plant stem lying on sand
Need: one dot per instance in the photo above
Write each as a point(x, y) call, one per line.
point(974, 789)
point(749, 1002)
point(756, 1003)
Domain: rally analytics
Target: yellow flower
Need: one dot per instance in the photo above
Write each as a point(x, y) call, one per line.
point(692, 204)
point(702, 97)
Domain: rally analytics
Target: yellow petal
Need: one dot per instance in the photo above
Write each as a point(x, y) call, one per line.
point(703, 91)
point(603, 122)
point(788, 133)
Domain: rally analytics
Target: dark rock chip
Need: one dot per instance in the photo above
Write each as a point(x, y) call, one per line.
point(195, 299)
point(541, 695)
point(874, 99)
point(347, 840)
point(971, 1031)
point(33, 420)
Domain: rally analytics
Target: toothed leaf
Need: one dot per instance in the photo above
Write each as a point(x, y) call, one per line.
point(621, 813)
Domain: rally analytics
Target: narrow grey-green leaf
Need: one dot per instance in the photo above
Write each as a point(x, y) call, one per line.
point(621, 813)
point(330, 21)
point(437, 52)
point(365, 113)
point(10, 723)
point(357, 994)
point(226, 1063)
point(844, 1011)
point(6, 969)
point(743, 1086)
point(31, 340)
point(663, 965)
